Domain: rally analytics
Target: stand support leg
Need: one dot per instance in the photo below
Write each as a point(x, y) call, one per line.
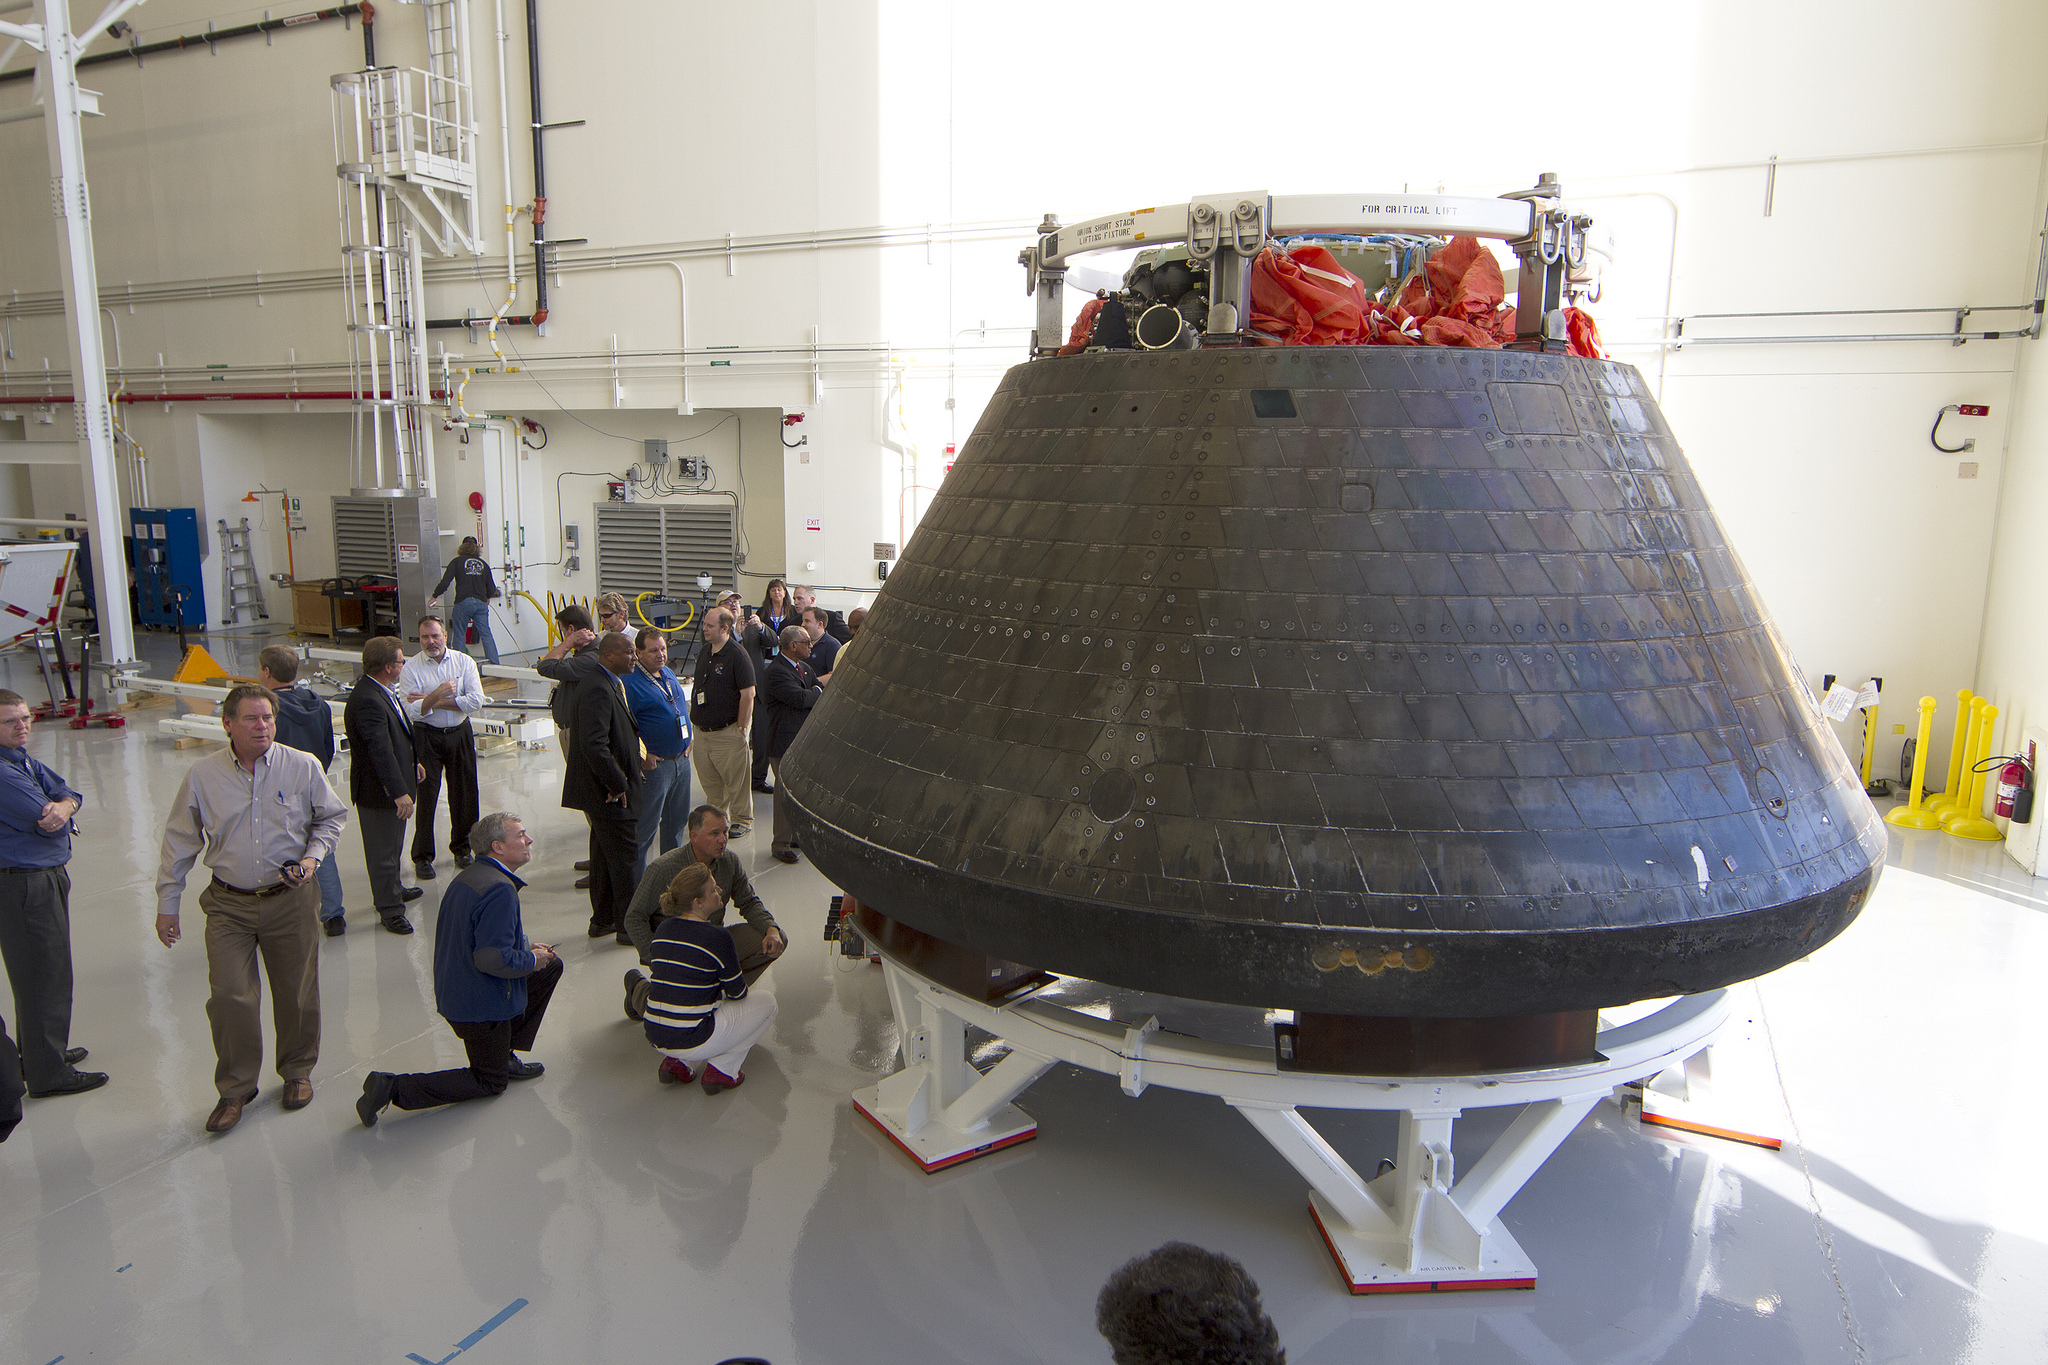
point(938, 1108)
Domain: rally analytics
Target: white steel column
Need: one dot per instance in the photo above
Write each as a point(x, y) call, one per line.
point(72, 205)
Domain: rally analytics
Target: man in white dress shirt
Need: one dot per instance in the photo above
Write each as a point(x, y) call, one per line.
point(442, 687)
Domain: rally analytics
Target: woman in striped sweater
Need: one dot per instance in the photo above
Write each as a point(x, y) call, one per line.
point(699, 1010)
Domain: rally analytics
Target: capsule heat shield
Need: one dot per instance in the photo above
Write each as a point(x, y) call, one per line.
point(1376, 680)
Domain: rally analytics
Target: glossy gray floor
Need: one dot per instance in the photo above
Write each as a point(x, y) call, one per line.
point(595, 1215)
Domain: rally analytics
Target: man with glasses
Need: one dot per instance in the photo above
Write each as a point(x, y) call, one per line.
point(491, 983)
point(35, 909)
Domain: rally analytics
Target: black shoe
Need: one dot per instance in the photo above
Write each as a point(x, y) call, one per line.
point(636, 996)
point(378, 1088)
point(625, 939)
point(524, 1071)
point(463, 860)
point(397, 924)
point(411, 893)
point(80, 1082)
point(74, 1055)
point(423, 871)
point(783, 855)
point(764, 789)
point(583, 866)
point(334, 928)
point(583, 883)
point(597, 930)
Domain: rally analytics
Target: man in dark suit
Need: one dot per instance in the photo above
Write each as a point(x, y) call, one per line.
point(383, 776)
point(791, 690)
point(604, 770)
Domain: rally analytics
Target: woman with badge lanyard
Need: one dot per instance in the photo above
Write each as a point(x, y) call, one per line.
point(764, 628)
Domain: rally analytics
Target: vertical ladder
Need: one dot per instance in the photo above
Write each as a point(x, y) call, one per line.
point(405, 149)
point(243, 587)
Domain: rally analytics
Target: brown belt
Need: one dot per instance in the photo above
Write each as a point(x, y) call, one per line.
point(277, 890)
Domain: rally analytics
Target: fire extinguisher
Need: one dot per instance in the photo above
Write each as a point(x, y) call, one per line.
point(2015, 790)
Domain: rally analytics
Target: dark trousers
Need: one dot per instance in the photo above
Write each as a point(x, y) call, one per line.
point(614, 869)
point(759, 740)
point(452, 750)
point(490, 1044)
point(383, 840)
point(11, 1088)
point(35, 940)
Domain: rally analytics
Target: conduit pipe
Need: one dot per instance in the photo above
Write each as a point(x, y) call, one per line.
point(540, 170)
point(137, 51)
point(335, 395)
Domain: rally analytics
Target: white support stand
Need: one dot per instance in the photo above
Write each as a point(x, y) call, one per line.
point(1418, 1226)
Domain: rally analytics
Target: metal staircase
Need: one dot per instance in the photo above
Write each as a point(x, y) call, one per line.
point(405, 153)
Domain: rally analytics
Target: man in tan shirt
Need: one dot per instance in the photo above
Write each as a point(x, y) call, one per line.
point(262, 818)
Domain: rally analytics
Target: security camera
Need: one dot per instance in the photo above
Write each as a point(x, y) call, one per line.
point(704, 581)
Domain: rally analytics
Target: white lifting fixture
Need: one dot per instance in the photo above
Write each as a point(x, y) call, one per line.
point(1417, 1225)
point(1223, 232)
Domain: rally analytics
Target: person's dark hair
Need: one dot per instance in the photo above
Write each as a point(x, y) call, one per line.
point(231, 704)
point(703, 813)
point(1182, 1305)
point(822, 617)
point(469, 547)
point(643, 635)
point(790, 635)
point(573, 617)
point(382, 651)
point(768, 594)
point(282, 663)
point(492, 829)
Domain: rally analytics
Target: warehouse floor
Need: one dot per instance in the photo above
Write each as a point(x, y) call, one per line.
point(594, 1215)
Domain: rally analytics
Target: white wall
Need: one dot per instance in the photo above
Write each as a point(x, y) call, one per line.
point(1896, 190)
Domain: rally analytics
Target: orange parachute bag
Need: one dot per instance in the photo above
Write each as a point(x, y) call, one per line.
point(1304, 298)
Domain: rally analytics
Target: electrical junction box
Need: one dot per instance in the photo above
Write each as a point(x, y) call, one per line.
point(691, 467)
point(656, 450)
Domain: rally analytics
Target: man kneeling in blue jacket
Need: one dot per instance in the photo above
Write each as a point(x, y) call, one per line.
point(490, 984)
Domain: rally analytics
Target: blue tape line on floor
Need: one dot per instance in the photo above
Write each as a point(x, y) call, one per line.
point(463, 1345)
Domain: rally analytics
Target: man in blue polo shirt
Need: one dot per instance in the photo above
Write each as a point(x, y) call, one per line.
point(660, 703)
point(490, 983)
point(35, 909)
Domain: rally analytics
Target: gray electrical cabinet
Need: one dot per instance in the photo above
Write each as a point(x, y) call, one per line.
point(396, 534)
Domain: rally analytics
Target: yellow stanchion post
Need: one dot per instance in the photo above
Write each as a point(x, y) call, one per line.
point(1945, 800)
point(1967, 821)
point(1912, 815)
point(1870, 736)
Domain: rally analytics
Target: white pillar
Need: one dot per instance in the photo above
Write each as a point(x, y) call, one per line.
point(73, 209)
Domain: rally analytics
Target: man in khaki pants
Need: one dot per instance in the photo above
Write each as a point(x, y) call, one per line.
point(262, 817)
point(721, 715)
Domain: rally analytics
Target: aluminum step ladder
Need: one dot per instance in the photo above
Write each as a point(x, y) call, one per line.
point(242, 586)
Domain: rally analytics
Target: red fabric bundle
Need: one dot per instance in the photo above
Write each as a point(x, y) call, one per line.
point(1304, 298)
point(1077, 336)
point(1582, 334)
